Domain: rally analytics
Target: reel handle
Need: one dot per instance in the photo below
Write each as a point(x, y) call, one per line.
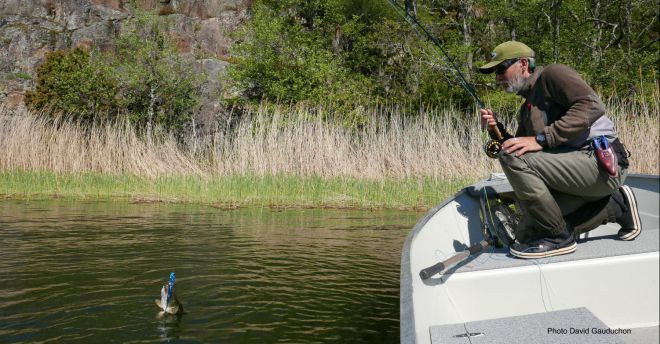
point(496, 131)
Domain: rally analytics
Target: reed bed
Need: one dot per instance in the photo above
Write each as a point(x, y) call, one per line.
point(290, 141)
point(437, 145)
point(392, 146)
point(34, 142)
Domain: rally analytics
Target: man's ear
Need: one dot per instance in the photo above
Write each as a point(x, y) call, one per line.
point(524, 64)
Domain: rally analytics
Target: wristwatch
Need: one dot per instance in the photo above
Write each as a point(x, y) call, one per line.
point(540, 139)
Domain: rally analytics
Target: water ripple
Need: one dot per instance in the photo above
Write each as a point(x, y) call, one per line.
point(90, 271)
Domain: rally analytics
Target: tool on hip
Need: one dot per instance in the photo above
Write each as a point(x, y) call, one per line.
point(492, 147)
point(605, 155)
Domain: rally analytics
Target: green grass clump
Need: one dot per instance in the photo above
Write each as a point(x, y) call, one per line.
point(234, 190)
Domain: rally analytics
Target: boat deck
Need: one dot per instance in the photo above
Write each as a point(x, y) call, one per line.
point(599, 243)
point(589, 248)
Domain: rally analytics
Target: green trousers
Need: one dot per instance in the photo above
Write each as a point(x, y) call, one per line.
point(559, 190)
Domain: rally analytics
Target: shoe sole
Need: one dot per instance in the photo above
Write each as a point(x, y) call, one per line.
point(637, 222)
point(527, 255)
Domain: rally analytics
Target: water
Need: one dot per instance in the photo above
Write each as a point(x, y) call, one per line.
point(90, 272)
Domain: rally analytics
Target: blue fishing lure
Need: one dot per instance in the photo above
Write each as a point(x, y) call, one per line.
point(170, 288)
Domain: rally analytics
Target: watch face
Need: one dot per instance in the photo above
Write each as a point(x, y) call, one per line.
point(540, 139)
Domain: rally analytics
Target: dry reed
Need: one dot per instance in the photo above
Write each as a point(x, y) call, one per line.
point(292, 141)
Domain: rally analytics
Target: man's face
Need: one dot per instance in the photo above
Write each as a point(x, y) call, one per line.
point(509, 75)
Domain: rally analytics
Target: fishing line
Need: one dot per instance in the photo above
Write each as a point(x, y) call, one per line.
point(490, 212)
point(544, 281)
point(424, 33)
point(451, 302)
point(492, 147)
point(541, 278)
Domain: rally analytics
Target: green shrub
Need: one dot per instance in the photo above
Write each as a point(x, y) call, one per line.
point(283, 60)
point(143, 78)
point(312, 50)
point(74, 83)
point(157, 85)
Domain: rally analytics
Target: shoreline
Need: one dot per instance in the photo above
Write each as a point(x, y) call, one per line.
point(234, 191)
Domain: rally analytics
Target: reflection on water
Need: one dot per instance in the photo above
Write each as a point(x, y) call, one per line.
point(168, 326)
point(87, 271)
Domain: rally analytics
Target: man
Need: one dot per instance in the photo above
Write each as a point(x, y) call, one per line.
point(550, 161)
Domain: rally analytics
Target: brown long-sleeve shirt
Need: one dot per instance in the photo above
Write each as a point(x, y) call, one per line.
point(561, 105)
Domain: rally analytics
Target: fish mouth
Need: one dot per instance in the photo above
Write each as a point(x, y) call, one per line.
point(173, 308)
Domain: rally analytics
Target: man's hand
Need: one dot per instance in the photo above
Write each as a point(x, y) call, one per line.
point(521, 145)
point(487, 118)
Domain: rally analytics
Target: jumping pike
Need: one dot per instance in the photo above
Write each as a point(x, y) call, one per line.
point(168, 301)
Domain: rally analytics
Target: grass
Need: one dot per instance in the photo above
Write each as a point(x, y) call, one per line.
point(276, 156)
point(271, 141)
point(232, 191)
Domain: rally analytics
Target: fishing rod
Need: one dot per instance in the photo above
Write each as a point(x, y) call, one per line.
point(492, 147)
point(422, 31)
point(496, 234)
point(453, 260)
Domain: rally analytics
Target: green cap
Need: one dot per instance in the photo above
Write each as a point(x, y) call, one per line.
point(505, 51)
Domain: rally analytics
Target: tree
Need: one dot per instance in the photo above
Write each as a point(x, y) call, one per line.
point(157, 86)
point(293, 51)
point(143, 79)
point(312, 50)
point(76, 83)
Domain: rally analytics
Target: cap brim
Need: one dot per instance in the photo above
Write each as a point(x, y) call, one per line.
point(490, 66)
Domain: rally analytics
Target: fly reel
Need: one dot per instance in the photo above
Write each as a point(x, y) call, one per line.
point(493, 148)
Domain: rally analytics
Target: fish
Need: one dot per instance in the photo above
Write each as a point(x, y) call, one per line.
point(168, 302)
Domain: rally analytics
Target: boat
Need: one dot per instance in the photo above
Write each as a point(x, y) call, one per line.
point(605, 292)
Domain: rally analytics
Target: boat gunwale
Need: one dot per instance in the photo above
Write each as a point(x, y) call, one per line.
point(407, 316)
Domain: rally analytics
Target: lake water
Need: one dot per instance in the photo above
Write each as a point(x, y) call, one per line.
point(90, 272)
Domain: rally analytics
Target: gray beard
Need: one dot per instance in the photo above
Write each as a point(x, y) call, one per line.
point(515, 85)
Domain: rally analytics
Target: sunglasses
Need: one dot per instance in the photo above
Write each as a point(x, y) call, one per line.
point(502, 67)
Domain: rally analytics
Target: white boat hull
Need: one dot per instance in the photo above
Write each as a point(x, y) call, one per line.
point(616, 281)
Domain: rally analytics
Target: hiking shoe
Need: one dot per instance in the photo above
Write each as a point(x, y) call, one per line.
point(544, 247)
point(631, 224)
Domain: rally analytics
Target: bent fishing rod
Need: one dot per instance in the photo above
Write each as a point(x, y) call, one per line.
point(492, 147)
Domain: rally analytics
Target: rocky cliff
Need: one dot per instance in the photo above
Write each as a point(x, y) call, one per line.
point(31, 28)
